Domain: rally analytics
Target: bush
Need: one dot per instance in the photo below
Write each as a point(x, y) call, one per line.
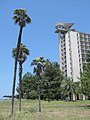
point(33, 94)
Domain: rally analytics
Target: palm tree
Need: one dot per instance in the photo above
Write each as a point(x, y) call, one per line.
point(22, 56)
point(69, 88)
point(39, 69)
point(21, 18)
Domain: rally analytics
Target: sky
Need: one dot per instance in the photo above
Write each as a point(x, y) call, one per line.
point(39, 36)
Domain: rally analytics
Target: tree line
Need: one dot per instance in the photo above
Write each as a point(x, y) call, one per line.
point(54, 85)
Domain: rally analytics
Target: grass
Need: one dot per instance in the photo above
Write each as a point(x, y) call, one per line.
point(54, 110)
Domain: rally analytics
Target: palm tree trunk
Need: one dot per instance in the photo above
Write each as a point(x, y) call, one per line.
point(20, 84)
point(70, 96)
point(39, 95)
point(15, 69)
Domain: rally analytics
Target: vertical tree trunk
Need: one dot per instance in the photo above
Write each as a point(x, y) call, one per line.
point(70, 96)
point(15, 69)
point(39, 94)
point(20, 85)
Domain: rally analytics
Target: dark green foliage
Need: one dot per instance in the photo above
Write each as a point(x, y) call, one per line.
point(68, 88)
point(53, 85)
point(50, 85)
point(85, 77)
point(33, 94)
point(29, 86)
point(52, 81)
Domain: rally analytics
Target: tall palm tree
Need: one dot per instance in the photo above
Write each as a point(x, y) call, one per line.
point(21, 18)
point(39, 69)
point(22, 56)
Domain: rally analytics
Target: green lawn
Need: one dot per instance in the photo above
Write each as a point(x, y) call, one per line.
point(54, 110)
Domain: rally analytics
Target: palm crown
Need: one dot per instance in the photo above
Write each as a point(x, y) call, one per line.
point(40, 65)
point(23, 52)
point(20, 17)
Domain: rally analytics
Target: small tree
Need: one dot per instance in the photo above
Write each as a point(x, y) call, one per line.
point(68, 88)
point(39, 69)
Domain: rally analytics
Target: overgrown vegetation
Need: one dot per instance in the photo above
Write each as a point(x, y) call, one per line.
point(54, 85)
point(85, 77)
point(54, 110)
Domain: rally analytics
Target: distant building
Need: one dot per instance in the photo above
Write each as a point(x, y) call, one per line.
point(73, 47)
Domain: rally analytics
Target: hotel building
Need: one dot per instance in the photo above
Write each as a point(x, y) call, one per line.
point(73, 48)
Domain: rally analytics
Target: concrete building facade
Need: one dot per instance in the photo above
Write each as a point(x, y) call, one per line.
point(73, 48)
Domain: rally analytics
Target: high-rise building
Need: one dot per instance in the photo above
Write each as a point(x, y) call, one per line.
point(73, 48)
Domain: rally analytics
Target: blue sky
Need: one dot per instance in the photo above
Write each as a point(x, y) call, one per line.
point(39, 36)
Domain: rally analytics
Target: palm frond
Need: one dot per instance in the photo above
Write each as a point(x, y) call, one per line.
point(17, 20)
point(19, 11)
point(28, 20)
point(33, 63)
point(15, 17)
point(35, 70)
point(24, 49)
